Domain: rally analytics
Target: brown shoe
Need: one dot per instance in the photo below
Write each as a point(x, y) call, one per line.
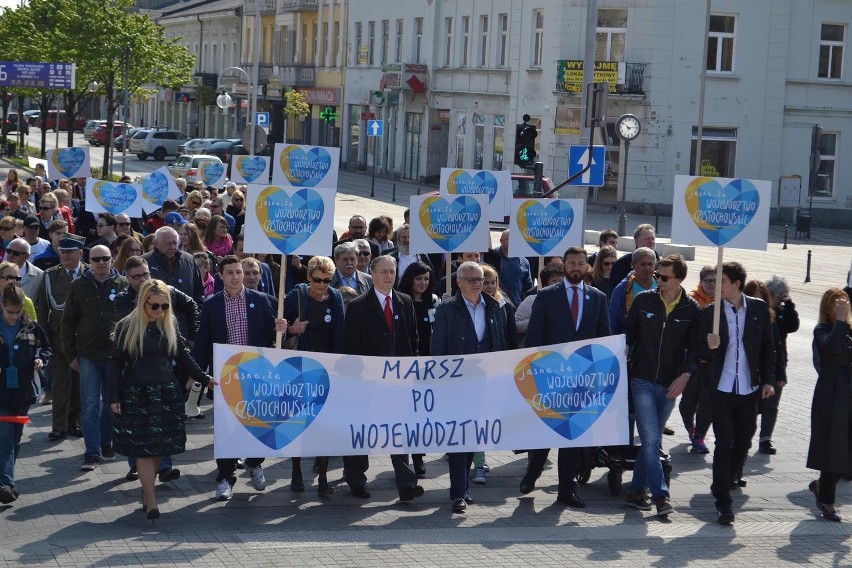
point(664, 508)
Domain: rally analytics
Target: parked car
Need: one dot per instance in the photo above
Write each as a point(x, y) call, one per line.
point(49, 123)
point(156, 142)
point(235, 147)
point(188, 165)
point(32, 116)
point(89, 128)
point(196, 145)
point(11, 124)
point(118, 143)
point(222, 149)
point(99, 135)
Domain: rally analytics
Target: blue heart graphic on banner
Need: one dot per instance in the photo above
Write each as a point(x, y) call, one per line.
point(69, 160)
point(305, 169)
point(155, 188)
point(211, 172)
point(275, 403)
point(721, 212)
point(114, 197)
point(544, 227)
point(250, 167)
point(460, 182)
point(569, 394)
point(289, 219)
point(449, 222)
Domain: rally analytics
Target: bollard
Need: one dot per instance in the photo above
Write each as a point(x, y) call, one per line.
point(418, 191)
point(808, 273)
point(786, 229)
point(656, 221)
point(394, 192)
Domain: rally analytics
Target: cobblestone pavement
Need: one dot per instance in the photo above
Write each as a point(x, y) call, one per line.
point(66, 517)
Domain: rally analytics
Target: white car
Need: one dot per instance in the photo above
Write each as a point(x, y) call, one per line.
point(156, 142)
point(188, 166)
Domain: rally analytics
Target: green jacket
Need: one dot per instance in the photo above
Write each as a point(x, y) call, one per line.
point(89, 316)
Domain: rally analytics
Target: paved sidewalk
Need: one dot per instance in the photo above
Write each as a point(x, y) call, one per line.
point(66, 517)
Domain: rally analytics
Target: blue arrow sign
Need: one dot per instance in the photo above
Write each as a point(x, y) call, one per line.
point(578, 157)
point(375, 128)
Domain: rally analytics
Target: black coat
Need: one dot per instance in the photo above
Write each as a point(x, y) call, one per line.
point(831, 408)
point(452, 322)
point(366, 333)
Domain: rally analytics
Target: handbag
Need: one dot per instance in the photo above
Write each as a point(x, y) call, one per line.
point(292, 341)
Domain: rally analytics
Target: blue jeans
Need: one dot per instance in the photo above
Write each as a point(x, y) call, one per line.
point(95, 413)
point(652, 409)
point(165, 463)
point(10, 445)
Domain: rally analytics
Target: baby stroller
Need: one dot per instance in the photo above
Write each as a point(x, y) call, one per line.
point(617, 459)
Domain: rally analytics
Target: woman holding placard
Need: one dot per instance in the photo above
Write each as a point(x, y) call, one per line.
point(830, 450)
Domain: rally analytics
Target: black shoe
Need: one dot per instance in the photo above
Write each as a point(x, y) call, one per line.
point(766, 447)
point(76, 432)
point(297, 486)
point(107, 454)
point(468, 499)
point(132, 475)
point(420, 469)
point(459, 506)
point(199, 416)
point(7, 494)
point(360, 493)
point(527, 484)
point(726, 515)
point(170, 474)
point(153, 515)
point(410, 493)
point(571, 500)
point(325, 490)
point(668, 431)
point(55, 435)
point(316, 466)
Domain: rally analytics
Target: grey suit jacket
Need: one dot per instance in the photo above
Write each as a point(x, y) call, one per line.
point(364, 281)
point(31, 280)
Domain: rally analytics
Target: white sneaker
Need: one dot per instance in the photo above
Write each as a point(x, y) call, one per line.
point(485, 467)
point(224, 491)
point(258, 480)
point(478, 476)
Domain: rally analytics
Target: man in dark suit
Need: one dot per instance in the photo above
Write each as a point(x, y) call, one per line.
point(381, 323)
point(740, 368)
point(565, 312)
point(236, 316)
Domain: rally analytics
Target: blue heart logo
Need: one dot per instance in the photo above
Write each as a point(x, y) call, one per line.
point(449, 222)
point(305, 169)
point(155, 188)
point(275, 403)
point(250, 167)
point(69, 160)
point(569, 394)
point(460, 182)
point(544, 227)
point(114, 197)
point(211, 172)
point(721, 212)
point(289, 219)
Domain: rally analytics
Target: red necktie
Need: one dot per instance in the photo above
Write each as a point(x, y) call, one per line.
point(575, 307)
point(388, 313)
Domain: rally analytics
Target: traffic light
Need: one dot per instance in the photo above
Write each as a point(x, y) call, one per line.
point(525, 135)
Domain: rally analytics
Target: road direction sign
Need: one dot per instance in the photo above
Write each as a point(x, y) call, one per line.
point(375, 127)
point(38, 75)
point(262, 119)
point(578, 157)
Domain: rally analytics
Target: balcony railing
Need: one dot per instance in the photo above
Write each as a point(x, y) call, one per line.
point(266, 6)
point(296, 5)
point(297, 75)
point(634, 79)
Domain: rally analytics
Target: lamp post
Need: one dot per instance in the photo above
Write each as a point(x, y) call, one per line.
point(627, 127)
point(223, 101)
point(126, 53)
point(253, 100)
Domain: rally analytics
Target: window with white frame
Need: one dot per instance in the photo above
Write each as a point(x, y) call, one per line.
point(465, 40)
point(371, 41)
point(831, 39)
point(720, 43)
point(483, 41)
point(418, 38)
point(824, 182)
point(502, 54)
point(610, 35)
point(538, 37)
point(448, 42)
point(398, 54)
point(359, 42)
point(385, 40)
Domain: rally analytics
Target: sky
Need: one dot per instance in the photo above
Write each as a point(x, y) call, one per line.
point(10, 3)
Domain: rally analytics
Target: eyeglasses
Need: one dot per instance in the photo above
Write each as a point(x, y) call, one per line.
point(321, 280)
point(474, 280)
point(124, 224)
point(157, 307)
point(12, 278)
point(45, 208)
point(138, 276)
point(709, 281)
point(14, 252)
point(662, 277)
point(100, 258)
point(364, 253)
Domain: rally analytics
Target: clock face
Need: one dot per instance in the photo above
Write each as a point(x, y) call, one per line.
point(628, 127)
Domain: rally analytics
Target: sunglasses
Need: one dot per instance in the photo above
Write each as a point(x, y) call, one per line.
point(12, 278)
point(321, 280)
point(13, 252)
point(157, 307)
point(608, 262)
point(124, 224)
point(7, 228)
point(662, 277)
point(100, 258)
point(364, 253)
point(45, 208)
point(237, 200)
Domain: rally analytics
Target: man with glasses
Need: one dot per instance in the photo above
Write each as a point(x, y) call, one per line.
point(87, 322)
point(638, 281)
point(185, 310)
point(51, 257)
point(347, 273)
point(18, 252)
point(124, 226)
point(358, 230)
point(106, 227)
point(38, 245)
point(659, 328)
point(365, 255)
point(49, 305)
point(217, 207)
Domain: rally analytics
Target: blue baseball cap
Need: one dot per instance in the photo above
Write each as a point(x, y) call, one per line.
point(174, 218)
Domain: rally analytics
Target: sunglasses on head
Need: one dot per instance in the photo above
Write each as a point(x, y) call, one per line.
point(157, 307)
point(321, 280)
point(100, 258)
point(662, 277)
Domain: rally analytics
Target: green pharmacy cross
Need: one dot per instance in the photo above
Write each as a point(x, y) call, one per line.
point(328, 115)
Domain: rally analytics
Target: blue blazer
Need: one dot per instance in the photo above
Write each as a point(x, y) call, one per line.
point(550, 321)
point(212, 328)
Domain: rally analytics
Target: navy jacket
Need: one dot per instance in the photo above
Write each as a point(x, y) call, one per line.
point(550, 321)
point(451, 326)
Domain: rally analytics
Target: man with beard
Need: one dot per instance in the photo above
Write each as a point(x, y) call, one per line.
point(403, 258)
point(567, 311)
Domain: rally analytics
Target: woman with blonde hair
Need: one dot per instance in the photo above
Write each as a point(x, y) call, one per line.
point(144, 393)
